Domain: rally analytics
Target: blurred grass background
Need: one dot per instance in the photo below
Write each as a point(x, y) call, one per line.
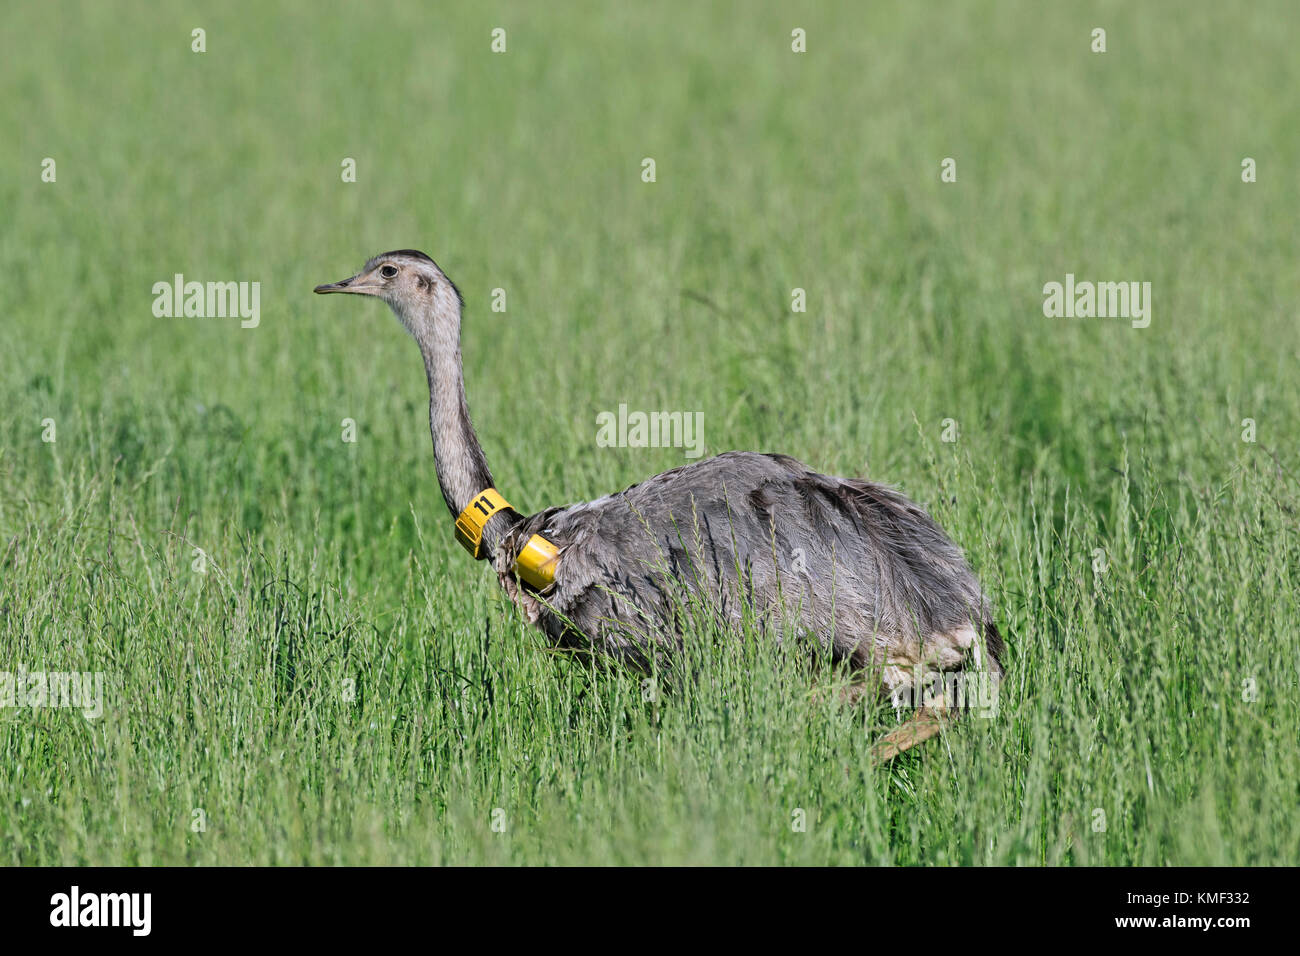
point(334, 563)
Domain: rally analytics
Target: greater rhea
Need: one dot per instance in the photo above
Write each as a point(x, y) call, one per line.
point(853, 564)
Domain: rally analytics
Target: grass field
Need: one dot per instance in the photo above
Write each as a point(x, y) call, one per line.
point(333, 681)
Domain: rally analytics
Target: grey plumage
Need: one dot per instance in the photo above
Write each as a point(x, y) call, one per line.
point(853, 564)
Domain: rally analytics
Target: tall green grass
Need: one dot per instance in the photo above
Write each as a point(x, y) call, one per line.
point(342, 685)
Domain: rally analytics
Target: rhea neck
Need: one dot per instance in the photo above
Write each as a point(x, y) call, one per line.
point(462, 467)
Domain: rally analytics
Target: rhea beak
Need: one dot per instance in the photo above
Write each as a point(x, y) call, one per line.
point(357, 285)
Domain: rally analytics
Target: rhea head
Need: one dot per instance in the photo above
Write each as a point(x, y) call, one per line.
point(418, 292)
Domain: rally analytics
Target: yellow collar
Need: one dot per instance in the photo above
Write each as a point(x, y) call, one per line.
point(536, 561)
point(470, 524)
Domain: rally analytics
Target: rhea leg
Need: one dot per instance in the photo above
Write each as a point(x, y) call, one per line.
point(933, 676)
point(918, 728)
point(923, 724)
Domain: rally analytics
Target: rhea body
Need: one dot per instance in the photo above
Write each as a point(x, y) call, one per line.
point(850, 563)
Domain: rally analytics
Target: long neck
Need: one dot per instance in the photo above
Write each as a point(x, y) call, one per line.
point(462, 467)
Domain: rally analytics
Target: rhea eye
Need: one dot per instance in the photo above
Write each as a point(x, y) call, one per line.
point(388, 271)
